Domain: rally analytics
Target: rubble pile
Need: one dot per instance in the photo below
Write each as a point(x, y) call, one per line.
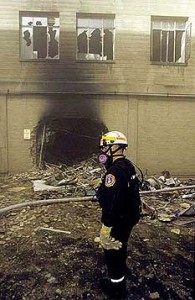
point(165, 180)
point(79, 179)
point(169, 200)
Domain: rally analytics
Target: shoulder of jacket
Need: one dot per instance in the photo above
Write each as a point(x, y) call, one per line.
point(125, 163)
point(112, 168)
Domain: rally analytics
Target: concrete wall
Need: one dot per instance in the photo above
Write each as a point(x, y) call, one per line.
point(3, 135)
point(166, 135)
point(131, 70)
point(160, 130)
point(152, 104)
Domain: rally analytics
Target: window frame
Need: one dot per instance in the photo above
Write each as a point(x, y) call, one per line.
point(34, 15)
point(93, 16)
point(175, 30)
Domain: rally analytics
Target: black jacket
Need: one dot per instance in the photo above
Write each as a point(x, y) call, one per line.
point(118, 194)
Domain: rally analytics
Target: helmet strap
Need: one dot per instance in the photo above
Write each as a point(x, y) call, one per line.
point(113, 152)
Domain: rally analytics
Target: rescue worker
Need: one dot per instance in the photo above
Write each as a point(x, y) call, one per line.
point(118, 196)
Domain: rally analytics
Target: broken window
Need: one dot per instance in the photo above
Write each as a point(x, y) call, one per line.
point(170, 39)
point(95, 37)
point(39, 35)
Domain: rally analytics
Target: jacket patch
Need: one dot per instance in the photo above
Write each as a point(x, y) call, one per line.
point(110, 180)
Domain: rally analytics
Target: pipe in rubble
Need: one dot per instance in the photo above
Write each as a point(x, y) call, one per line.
point(44, 202)
point(79, 199)
point(167, 189)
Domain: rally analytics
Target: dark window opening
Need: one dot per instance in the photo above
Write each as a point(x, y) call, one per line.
point(156, 45)
point(95, 37)
point(170, 40)
point(39, 35)
point(40, 41)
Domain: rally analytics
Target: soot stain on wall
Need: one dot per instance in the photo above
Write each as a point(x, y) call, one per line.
point(69, 131)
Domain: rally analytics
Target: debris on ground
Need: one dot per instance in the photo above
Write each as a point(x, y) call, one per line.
point(52, 252)
point(164, 180)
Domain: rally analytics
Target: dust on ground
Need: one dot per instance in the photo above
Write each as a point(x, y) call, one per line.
point(48, 252)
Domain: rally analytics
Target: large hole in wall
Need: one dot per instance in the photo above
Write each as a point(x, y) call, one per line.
point(66, 140)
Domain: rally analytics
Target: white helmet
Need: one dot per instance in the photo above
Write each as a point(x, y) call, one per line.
point(113, 138)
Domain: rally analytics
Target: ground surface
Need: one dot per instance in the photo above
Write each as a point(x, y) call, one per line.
point(39, 264)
